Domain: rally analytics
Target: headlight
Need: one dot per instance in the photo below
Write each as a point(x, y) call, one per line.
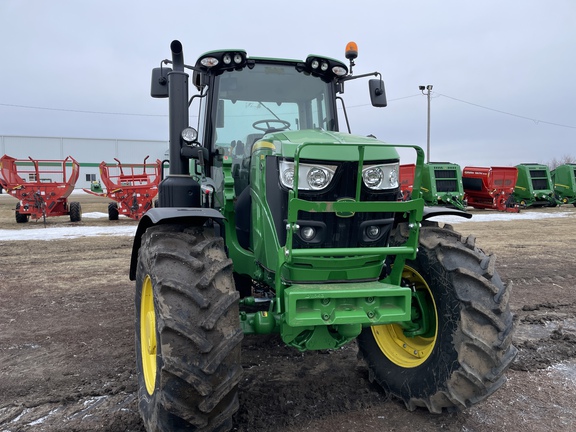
point(379, 177)
point(318, 178)
point(310, 177)
point(209, 61)
point(189, 134)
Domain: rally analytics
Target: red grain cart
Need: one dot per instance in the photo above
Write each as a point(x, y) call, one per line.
point(42, 187)
point(406, 177)
point(133, 187)
point(490, 188)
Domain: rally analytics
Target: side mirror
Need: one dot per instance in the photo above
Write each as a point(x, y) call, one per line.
point(377, 93)
point(159, 83)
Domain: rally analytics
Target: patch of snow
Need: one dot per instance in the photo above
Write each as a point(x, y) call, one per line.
point(489, 217)
point(43, 419)
point(94, 215)
point(54, 233)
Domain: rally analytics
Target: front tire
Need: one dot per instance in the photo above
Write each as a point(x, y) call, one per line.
point(188, 332)
point(463, 356)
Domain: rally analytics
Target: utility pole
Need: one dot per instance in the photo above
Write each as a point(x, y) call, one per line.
point(426, 90)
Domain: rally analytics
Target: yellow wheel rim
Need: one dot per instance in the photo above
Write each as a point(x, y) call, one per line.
point(148, 335)
point(407, 352)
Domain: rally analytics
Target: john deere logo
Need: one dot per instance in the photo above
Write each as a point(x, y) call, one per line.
point(345, 214)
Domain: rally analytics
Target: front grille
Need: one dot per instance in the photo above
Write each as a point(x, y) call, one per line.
point(446, 185)
point(446, 180)
point(538, 173)
point(540, 184)
point(336, 231)
point(444, 173)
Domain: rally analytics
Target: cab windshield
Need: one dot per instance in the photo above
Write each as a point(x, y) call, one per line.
point(268, 98)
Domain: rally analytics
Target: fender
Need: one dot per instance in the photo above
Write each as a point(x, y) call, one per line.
point(163, 215)
point(431, 211)
point(444, 211)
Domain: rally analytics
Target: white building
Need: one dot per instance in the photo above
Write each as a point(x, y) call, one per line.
point(88, 152)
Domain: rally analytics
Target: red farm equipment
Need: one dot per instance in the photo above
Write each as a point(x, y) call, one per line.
point(490, 188)
point(133, 187)
point(42, 187)
point(406, 177)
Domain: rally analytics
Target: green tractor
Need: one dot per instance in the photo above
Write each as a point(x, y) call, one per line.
point(273, 221)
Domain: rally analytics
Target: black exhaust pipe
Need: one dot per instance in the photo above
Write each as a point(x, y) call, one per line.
point(177, 56)
point(178, 189)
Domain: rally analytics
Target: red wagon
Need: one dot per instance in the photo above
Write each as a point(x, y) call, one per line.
point(133, 187)
point(490, 188)
point(406, 177)
point(42, 187)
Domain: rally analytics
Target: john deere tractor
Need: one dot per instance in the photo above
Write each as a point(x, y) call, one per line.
point(274, 221)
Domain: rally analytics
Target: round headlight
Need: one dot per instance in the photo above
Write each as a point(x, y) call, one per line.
point(307, 233)
point(227, 59)
point(189, 134)
point(288, 177)
point(237, 58)
point(315, 64)
point(318, 178)
point(373, 232)
point(373, 177)
point(324, 66)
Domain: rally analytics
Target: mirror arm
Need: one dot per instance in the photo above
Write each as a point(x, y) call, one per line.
point(353, 77)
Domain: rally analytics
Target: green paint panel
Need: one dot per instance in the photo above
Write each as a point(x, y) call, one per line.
point(564, 180)
point(346, 303)
point(344, 146)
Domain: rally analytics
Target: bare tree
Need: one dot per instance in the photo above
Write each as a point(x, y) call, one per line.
point(565, 159)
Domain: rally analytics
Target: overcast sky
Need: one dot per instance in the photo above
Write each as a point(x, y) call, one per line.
point(503, 72)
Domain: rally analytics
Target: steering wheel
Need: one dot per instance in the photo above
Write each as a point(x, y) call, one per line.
point(269, 122)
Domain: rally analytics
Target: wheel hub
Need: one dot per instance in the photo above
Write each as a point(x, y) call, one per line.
point(394, 342)
point(148, 342)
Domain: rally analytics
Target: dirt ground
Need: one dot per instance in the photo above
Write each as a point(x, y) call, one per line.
point(67, 358)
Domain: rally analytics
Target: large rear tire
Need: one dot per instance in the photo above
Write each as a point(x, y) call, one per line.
point(462, 359)
point(188, 332)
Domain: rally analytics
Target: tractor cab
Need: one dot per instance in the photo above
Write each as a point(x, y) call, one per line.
point(258, 97)
point(241, 99)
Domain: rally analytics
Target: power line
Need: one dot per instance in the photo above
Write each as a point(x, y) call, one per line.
point(537, 121)
point(389, 100)
point(507, 113)
point(83, 111)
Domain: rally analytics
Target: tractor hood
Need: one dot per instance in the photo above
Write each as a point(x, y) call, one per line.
point(335, 146)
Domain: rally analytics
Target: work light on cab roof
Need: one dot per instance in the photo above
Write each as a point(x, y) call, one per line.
point(220, 61)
